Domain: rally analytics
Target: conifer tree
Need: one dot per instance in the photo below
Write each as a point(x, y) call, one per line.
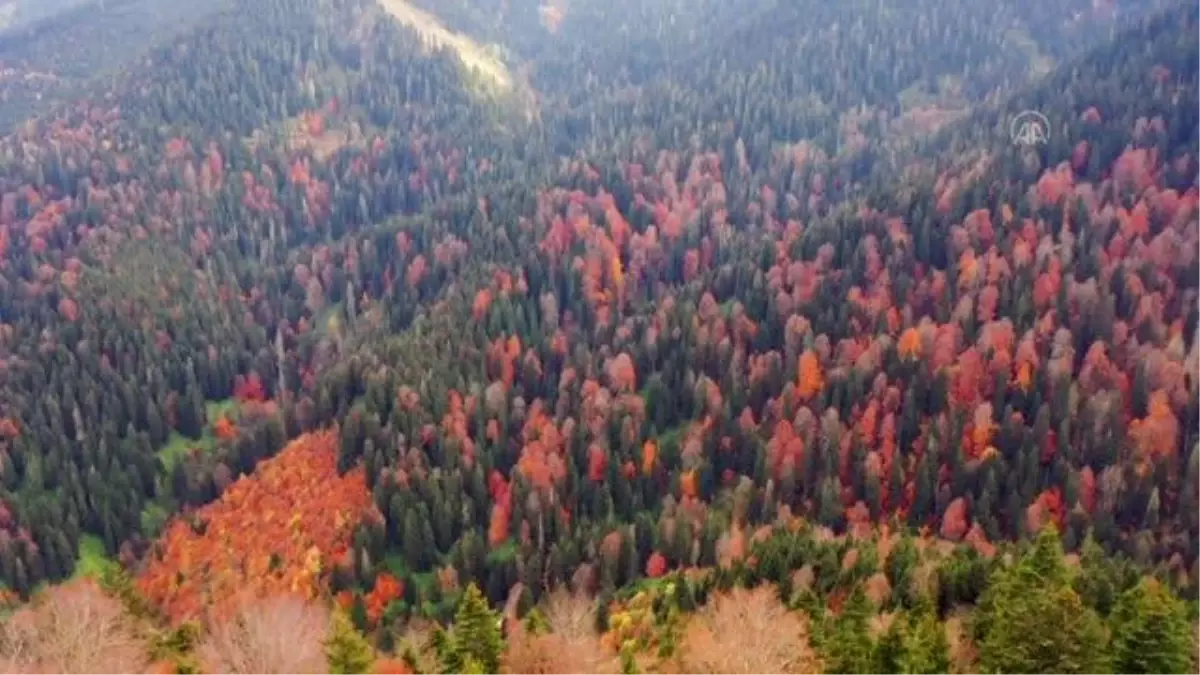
point(1030, 620)
point(474, 644)
point(1102, 578)
point(915, 643)
point(1151, 631)
point(1045, 631)
point(925, 650)
point(346, 649)
point(848, 646)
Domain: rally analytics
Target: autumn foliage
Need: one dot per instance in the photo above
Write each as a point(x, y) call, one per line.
point(811, 380)
point(224, 428)
point(387, 588)
point(272, 532)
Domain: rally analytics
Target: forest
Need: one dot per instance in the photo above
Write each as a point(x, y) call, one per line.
point(496, 336)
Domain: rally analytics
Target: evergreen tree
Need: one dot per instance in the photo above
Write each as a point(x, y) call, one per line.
point(848, 646)
point(358, 612)
point(915, 643)
point(1102, 578)
point(346, 649)
point(1045, 630)
point(474, 644)
point(1030, 620)
point(1151, 631)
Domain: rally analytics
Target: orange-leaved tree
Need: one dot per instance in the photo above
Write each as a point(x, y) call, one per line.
point(269, 533)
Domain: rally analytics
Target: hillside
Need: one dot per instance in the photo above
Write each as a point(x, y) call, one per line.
point(53, 52)
point(473, 55)
point(15, 14)
point(402, 309)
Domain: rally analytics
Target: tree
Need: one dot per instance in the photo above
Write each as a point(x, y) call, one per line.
point(1031, 621)
point(277, 635)
point(474, 643)
point(1045, 631)
point(899, 567)
point(809, 377)
point(73, 628)
point(746, 631)
point(263, 536)
point(1103, 578)
point(346, 649)
point(915, 643)
point(848, 648)
point(1151, 631)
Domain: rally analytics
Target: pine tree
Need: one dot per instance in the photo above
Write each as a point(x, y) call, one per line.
point(346, 649)
point(1151, 631)
point(1040, 567)
point(1103, 578)
point(474, 644)
point(848, 647)
point(915, 643)
point(415, 546)
point(900, 564)
point(1030, 620)
point(1045, 631)
point(358, 612)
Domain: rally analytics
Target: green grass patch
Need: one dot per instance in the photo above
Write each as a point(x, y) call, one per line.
point(155, 514)
point(503, 553)
point(216, 409)
point(93, 559)
point(177, 448)
point(154, 519)
point(178, 445)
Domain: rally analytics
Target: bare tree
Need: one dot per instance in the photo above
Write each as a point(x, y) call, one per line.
point(570, 646)
point(747, 631)
point(277, 635)
point(72, 628)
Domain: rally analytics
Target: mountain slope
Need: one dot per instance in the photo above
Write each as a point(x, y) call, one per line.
point(692, 306)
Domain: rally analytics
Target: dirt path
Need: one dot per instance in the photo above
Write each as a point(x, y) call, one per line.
point(473, 55)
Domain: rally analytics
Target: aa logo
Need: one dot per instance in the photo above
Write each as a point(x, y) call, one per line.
point(1029, 128)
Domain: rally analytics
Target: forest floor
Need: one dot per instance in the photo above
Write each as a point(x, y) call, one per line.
point(474, 55)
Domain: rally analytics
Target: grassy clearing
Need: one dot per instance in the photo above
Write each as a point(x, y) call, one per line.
point(506, 552)
point(671, 436)
point(178, 445)
point(219, 408)
point(93, 560)
point(394, 562)
point(156, 513)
